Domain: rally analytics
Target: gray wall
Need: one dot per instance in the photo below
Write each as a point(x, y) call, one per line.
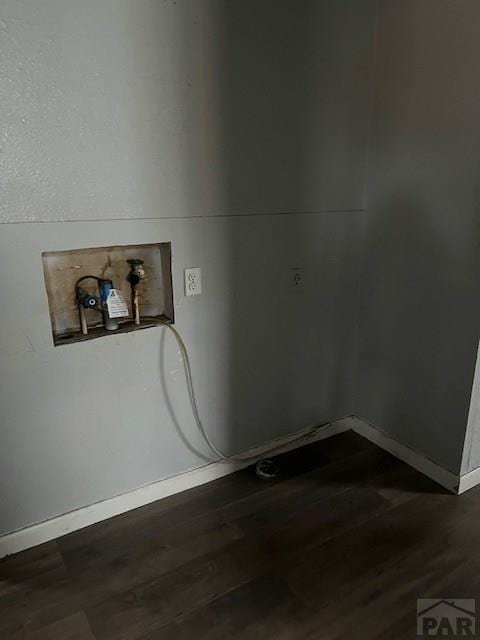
point(200, 123)
point(420, 309)
point(471, 449)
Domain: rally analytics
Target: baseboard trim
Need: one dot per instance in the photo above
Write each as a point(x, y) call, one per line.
point(410, 456)
point(58, 526)
point(469, 480)
point(53, 528)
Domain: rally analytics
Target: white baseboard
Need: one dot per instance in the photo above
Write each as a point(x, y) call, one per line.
point(410, 456)
point(55, 527)
point(85, 516)
point(469, 480)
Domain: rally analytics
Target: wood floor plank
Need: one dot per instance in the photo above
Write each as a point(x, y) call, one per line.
point(312, 485)
point(31, 562)
point(252, 611)
point(348, 561)
point(382, 602)
point(144, 608)
point(74, 627)
point(339, 546)
point(331, 515)
point(313, 489)
point(199, 501)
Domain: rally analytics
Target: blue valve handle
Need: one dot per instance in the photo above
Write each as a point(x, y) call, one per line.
point(88, 300)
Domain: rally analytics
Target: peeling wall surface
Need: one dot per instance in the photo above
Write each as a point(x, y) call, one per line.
point(129, 121)
point(420, 310)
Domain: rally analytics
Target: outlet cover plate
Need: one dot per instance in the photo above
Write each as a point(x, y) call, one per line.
point(193, 281)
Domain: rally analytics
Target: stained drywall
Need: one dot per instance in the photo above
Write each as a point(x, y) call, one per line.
point(420, 309)
point(132, 109)
point(146, 118)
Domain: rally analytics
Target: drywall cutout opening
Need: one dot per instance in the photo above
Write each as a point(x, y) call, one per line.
point(144, 283)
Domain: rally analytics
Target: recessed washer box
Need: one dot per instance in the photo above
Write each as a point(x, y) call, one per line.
point(62, 269)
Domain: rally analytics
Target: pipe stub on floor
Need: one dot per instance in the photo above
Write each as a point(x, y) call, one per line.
point(267, 469)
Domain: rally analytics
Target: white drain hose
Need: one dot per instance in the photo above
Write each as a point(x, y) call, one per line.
point(196, 415)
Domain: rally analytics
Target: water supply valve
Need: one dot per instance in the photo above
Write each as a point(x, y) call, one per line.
point(87, 300)
point(136, 274)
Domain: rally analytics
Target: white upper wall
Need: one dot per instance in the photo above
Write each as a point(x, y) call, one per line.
point(156, 108)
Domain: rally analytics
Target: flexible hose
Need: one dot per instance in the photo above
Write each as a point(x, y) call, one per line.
point(199, 423)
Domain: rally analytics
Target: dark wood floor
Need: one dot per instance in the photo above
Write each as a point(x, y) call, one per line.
point(339, 546)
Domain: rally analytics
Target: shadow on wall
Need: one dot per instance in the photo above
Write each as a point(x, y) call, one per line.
point(279, 356)
point(276, 133)
point(413, 379)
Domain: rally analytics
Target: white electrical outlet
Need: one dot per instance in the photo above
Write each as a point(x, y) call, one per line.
point(193, 281)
